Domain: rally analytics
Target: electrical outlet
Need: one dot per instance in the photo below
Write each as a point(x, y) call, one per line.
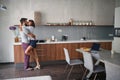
point(59, 30)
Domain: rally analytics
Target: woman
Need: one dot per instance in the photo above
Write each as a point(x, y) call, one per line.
point(31, 49)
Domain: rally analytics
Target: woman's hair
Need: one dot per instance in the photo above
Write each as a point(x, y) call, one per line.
point(32, 23)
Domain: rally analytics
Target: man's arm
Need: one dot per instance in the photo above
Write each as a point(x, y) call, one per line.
point(28, 33)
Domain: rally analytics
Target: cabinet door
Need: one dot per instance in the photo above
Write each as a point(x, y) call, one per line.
point(50, 52)
point(88, 45)
point(109, 45)
point(18, 54)
point(46, 52)
point(60, 52)
point(103, 45)
point(73, 53)
point(71, 49)
point(106, 45)
point(41, 52)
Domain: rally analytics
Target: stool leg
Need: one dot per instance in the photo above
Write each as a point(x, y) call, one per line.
point(69, 73)
point(95, 76)
point(66, 68)
point(84, 74)
point(82, 68)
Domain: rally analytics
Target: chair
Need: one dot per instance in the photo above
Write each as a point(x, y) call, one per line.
point(88, 64)
point(71, 62)
point(112, 71)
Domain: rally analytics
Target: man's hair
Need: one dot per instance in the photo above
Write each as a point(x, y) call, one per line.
point(23, 20)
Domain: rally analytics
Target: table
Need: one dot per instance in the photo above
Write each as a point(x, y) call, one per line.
point(112, 63)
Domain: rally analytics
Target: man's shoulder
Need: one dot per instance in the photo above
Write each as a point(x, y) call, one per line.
point(25, 29)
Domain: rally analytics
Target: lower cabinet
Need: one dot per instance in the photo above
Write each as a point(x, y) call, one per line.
point(52, 52)
point(46, 52)
point(18, 54)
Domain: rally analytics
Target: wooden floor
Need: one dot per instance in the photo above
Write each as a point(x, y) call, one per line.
point(8, 71)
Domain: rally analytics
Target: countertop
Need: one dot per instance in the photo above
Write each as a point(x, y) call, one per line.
point(75, 41)
point(112, 58)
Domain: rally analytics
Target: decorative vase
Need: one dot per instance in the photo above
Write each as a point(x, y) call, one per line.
point(16, 39)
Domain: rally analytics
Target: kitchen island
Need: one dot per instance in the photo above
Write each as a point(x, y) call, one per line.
point(52, 51)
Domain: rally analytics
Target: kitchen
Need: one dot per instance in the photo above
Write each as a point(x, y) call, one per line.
point(57, 12)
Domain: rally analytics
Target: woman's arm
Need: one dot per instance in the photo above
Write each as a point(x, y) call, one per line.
point(28, 33)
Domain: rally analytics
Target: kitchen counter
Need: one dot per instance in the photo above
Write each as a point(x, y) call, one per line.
point(52, 51)
point(77, 41)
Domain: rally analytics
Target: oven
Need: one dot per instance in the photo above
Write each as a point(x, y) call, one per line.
point(116, 32)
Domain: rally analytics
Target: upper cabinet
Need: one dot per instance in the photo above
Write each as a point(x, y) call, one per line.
point(117, 17)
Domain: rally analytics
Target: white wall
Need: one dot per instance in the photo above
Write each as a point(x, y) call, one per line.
point(63, 10)
point(100, 11)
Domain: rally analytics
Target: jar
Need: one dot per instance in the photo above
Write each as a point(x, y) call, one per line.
point(16, 39)
point(71, 21)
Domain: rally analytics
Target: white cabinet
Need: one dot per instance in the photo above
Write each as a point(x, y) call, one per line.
point(117, 17)
point(116, 41)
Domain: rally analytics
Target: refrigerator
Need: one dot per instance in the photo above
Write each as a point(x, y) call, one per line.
point(116, 41)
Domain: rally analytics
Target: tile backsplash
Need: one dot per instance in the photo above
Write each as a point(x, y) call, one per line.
point(75, 32)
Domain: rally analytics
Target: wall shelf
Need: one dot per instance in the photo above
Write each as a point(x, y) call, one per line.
point(83, 25)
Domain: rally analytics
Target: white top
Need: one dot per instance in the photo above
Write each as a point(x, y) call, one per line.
point(30, 29)
point(23, 34)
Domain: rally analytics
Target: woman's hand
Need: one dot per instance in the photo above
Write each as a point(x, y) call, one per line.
point(20, 27)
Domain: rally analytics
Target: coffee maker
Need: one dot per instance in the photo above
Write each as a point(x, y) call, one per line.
point(64, 37)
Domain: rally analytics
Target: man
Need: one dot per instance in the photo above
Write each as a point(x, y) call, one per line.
point(25, 42)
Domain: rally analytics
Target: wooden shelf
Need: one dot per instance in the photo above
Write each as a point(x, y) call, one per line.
point(83, 25)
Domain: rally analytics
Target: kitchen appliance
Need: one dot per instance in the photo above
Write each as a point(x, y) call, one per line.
point(64, 37)
point(116, 41)
point(52, 38)
point(40, 41)
point(116, 32)
point(83, 38)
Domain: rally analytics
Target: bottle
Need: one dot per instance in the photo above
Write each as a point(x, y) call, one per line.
point(53, 38)
point(16, 39)
point(71, 21)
